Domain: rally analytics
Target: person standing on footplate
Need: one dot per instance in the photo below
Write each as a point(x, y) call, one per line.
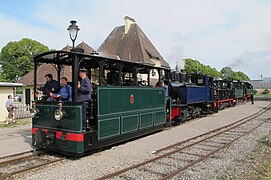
point(84, 94)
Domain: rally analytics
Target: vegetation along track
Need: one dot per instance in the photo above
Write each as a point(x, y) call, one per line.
point(178, 157)
point(15, 164)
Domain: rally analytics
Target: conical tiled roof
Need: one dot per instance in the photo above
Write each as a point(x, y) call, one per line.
point(132, 46)
point(86, 47)
point(83, 45)
point(67, 48)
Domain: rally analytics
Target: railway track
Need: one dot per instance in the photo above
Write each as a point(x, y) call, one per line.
point(172, 160)
point(18, 163)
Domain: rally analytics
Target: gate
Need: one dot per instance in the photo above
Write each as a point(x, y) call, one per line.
point(21, 111)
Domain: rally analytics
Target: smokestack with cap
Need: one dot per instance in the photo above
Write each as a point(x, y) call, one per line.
point(128, 22)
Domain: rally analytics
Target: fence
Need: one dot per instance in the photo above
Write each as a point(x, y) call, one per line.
point(21, 111)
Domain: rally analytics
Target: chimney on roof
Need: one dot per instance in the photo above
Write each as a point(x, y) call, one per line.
point(128, 22)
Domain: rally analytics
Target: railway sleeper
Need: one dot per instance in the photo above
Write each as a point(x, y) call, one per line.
point(193, 154)
point(209, 145)
point(202, 149)
point(181, 156)
point(217, 142)
point(145, 169)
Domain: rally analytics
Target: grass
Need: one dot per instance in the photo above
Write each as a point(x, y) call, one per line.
point(262, 95)
point(269, 173)
point(19, 122)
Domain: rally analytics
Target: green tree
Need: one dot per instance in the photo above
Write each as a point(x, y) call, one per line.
point(242, 76)
point(15, 58)
point(190, 66)
point(227, 73)
point(194, 66)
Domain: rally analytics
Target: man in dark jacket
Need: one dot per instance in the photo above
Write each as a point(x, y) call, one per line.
point(252, 98)
point(84, 94)
point(51, 85)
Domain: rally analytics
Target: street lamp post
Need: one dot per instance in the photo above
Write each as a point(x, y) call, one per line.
point(73, 31)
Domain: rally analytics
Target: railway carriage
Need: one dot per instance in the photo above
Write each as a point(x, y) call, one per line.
point(238, 87)
point(224, 94)
point(120, 109)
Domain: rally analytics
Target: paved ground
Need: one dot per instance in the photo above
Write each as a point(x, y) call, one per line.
point(16, 139)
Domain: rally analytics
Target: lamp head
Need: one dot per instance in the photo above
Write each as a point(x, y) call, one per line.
point(73, 30)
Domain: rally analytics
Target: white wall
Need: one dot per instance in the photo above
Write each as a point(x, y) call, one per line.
point(4, 92)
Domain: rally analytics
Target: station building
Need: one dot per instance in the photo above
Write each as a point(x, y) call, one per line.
point(5, 90)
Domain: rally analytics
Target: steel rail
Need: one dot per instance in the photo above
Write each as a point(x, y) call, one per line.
point(21, 158)
point(8, 175)
point(18, 154)
point(227, 128)
point(209, 154)
point(215, 130)
point(17, 159)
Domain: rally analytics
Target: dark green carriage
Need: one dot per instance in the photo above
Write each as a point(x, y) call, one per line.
point(238, 89)
point(124, 110)
point(117, 112)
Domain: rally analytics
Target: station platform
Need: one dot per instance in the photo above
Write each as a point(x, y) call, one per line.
point(16, 139)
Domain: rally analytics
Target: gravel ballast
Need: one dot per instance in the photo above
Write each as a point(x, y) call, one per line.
point(121, 156)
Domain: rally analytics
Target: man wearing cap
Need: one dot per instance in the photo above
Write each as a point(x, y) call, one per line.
point(84, 94)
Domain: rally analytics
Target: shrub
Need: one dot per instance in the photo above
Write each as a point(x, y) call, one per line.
point(254, 91)
point(266, 91)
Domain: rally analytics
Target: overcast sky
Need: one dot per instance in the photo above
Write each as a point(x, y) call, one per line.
point(235, 33)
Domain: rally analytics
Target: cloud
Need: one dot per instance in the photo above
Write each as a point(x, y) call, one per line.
point(217, 33)
point(254, 64)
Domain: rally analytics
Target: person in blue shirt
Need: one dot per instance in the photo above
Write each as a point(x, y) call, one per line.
point(163, 85)
point(10, 107)
point(65, 93)
point(84, 94)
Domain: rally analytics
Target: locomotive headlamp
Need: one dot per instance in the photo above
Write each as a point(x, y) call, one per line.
point(34, 112)
point(73, 31)
point(59, 114)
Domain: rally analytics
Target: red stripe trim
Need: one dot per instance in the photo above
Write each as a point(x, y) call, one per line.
point(226, 100)
point(75, 137)
point(175, 112)
point(34, 130)
point(69, 136)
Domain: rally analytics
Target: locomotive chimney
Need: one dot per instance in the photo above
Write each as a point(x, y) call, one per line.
point(128, 22)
